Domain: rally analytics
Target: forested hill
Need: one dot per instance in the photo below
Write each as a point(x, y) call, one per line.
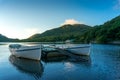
point(3, 38)
point(62, 33)
point(106, 33)
point(6, 39)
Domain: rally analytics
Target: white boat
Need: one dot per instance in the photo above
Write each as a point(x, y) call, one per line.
point(29, 52)
point(48, 48)
point(80, 50)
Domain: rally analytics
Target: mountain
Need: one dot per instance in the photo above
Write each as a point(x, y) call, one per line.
point(6, 39)
point(3, 38)
point(61, 33)
point(106, 33)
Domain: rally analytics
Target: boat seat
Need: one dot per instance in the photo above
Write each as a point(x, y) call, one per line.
point(15, 46)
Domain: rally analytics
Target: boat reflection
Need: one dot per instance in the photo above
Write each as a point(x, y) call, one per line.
point(34, 68)
point(55, 59)
point(80, 60)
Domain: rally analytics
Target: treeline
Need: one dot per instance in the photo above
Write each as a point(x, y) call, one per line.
point(65, 32)
point(6, 39)
point(106, 33)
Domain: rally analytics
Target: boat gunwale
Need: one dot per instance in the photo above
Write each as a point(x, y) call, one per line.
point(78, 47)
point(26, 49)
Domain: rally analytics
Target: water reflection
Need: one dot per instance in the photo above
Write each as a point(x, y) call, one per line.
point(69, 68)
point(75, 60)
point(102, 64)
point(31, 67)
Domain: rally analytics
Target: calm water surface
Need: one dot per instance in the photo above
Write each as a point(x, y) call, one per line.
point(103, 64)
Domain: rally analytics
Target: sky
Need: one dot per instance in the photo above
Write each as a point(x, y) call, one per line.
point(23, 18)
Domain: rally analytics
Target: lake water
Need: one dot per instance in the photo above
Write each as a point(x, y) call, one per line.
point(103, 64)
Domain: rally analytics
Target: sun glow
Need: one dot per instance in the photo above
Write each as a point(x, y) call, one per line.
point(18, 33)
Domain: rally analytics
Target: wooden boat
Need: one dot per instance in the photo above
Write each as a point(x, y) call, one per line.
point(29, 52)
point(80, 50)
point(48, 48)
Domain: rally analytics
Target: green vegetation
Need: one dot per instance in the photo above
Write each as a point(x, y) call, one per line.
point(5, 39)
point(62, 33)
point(106, 33)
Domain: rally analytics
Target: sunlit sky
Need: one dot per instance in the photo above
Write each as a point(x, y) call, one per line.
point(23, 18)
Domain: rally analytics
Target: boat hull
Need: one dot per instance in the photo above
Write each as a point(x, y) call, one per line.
point(84, 50)
point(27, 52)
